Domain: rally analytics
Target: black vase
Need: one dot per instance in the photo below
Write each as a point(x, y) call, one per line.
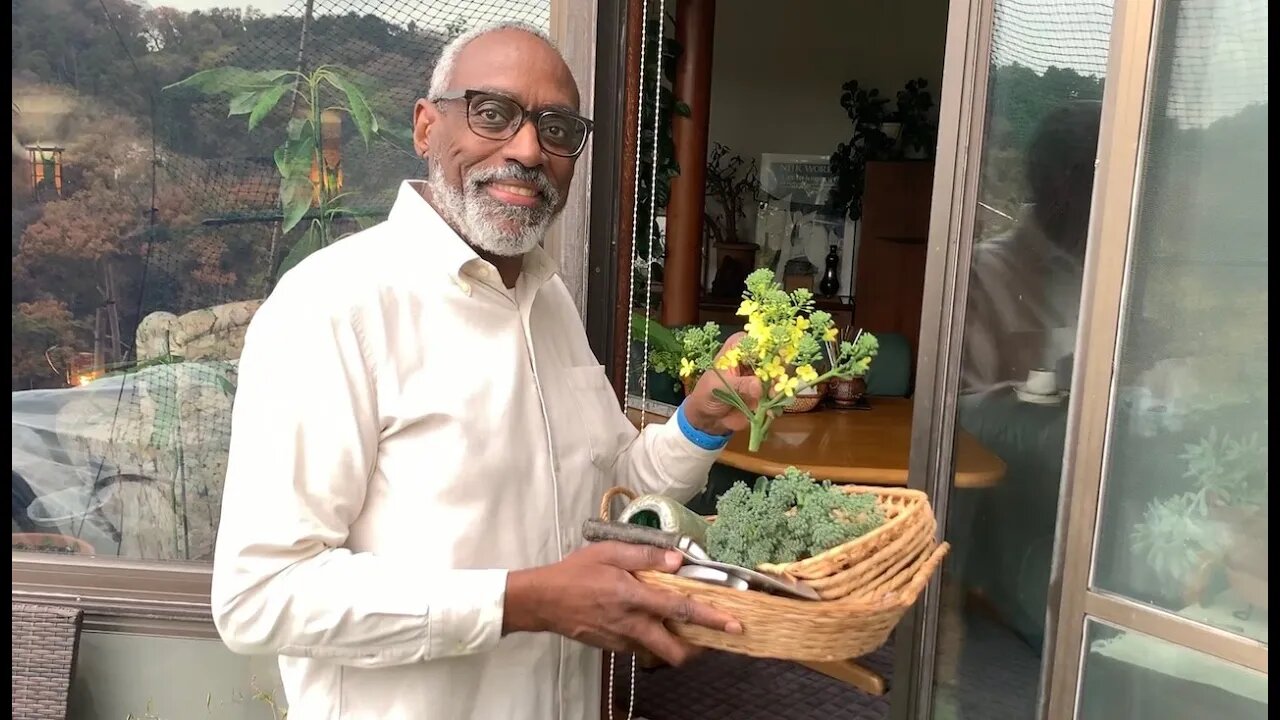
point(830, 284)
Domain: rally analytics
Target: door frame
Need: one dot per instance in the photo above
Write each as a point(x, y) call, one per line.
point(961, 126)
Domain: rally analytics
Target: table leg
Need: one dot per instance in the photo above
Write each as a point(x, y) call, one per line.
point(865, 679)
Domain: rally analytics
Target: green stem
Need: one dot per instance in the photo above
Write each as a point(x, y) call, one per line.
point(322, 191)
point(757, 436)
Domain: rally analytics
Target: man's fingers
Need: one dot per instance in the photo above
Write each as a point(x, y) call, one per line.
point(632, 557)
point(750, 389)
point(679, 608)
point(729, 344)
point(659, 641)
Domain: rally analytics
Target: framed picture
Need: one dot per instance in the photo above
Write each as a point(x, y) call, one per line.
point(798, 180)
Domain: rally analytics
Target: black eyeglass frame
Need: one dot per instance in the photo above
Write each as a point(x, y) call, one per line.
point(525, 116)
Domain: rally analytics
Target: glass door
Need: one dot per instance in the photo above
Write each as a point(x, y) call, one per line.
point(1095, 317)
point(1164, 608)
point(1022, 107)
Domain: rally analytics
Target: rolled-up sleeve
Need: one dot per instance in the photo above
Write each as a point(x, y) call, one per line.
point(304, 444)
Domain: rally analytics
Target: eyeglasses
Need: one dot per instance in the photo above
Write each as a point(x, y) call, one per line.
point(497, 117)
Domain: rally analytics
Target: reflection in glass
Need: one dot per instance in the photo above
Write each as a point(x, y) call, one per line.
point(1139, 677)
point(1184, 514)
point(1020, 325)
point(147, 230)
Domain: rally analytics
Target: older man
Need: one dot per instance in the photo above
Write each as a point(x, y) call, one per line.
point(421, 428)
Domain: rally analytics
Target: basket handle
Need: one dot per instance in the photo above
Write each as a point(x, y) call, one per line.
point(923, 574)
point(607, 501)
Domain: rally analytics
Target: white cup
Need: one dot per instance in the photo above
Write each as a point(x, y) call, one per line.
point(1042, 382)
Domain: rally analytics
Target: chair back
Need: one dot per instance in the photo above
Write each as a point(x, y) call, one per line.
point(46, 640)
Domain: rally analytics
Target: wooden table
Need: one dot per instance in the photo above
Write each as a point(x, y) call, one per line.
point(868, 447)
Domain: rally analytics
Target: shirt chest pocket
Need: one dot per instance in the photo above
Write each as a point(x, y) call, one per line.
point(602, 425)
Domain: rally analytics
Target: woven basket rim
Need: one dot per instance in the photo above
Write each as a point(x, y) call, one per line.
point(915, 500)
point(889, 600)
point(788, 628)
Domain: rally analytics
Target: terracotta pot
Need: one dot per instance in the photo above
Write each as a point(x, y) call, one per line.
point(846, 393)
point(51, 542)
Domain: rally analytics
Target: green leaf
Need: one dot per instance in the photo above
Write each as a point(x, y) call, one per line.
point(226, 385)
point(297, 158)
point(337, 200)
point(660, 337)
point(281, 157)
point(242, 103)
point(267, 101)
point(295, 200)
point(307, 244)
point(397, 135)
point(217, 81)
point(298, 126)
point(366, 122)
point(727, 398)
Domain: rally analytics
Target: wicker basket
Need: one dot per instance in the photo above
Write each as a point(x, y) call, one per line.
point(807, 402)
point(867, 585)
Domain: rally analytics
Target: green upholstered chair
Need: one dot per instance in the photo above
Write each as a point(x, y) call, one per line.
point(890, 373)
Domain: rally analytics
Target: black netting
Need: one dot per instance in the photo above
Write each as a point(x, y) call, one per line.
point(1040, 35)
point(388, 48)
point(144, 267)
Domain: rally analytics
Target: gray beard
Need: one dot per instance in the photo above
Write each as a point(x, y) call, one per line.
point(487, 224)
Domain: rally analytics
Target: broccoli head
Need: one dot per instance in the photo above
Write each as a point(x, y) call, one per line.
point(788, 518)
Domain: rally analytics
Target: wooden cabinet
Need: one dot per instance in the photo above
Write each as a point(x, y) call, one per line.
point(891, 255)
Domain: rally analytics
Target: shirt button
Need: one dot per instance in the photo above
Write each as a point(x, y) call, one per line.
point(483, 271)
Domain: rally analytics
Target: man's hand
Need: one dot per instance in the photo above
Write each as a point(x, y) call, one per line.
point(711, 415)
point(591, 597)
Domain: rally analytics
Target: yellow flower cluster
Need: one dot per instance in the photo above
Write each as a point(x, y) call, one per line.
point(774, 347)
point(784, 338)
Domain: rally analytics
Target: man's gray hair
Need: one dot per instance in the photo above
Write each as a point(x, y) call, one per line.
point(442, 75)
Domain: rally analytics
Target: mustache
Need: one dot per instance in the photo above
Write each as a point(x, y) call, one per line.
point(531, 176)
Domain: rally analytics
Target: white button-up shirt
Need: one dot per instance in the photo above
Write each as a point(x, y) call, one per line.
point(405, 431)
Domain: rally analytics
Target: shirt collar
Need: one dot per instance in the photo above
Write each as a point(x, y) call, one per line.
point(412, 212)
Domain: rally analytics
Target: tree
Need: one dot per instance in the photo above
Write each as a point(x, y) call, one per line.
point(39, 327)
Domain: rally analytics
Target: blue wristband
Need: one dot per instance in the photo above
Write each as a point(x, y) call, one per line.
point(706, 441)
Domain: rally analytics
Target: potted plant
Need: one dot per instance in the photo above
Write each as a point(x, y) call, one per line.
point(1220, 523)
point(868, 111)
point(51, 543)
point(733, 184)
point(879, 133)
point(919, 136)
point(665, 347)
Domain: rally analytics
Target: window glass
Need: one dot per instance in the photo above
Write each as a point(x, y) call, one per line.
point(148, 225)
point(1184, 501)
